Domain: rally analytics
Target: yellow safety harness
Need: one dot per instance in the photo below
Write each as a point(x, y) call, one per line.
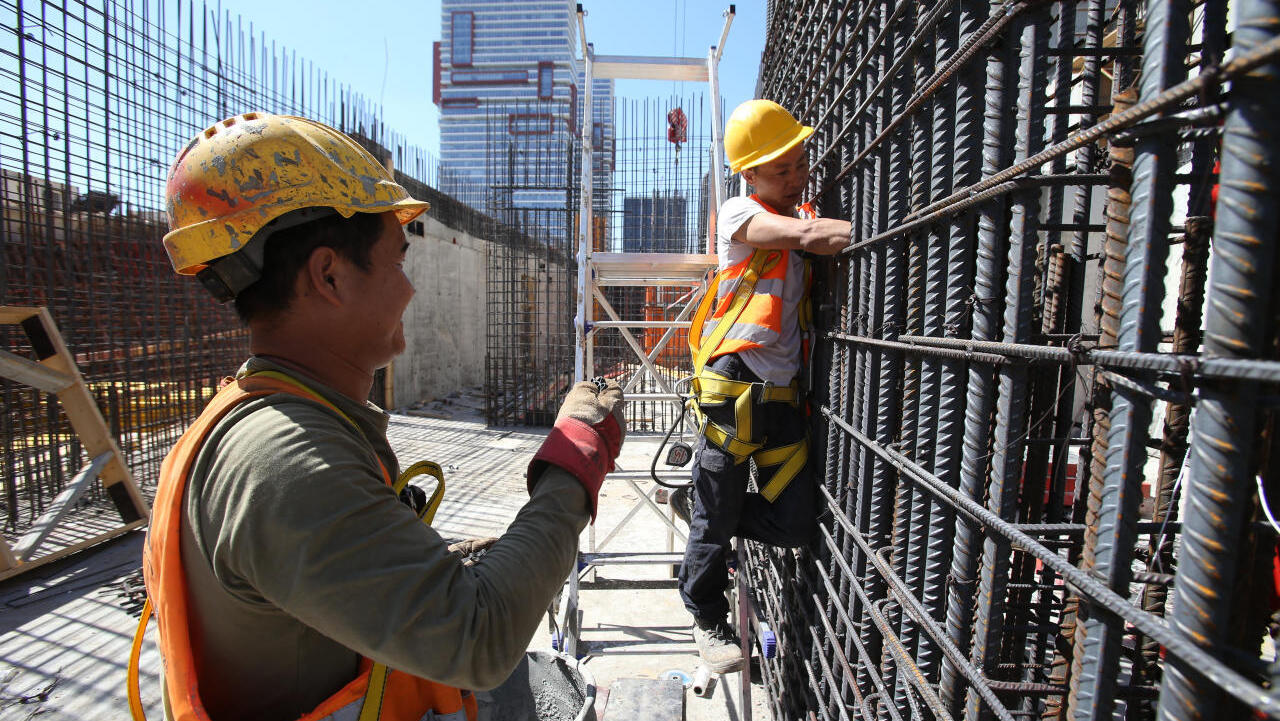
point(370, 710)
point(713, 390)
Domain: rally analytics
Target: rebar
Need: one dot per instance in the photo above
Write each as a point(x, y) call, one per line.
point(1242, 254)
point(969, 383)
point(96, 99)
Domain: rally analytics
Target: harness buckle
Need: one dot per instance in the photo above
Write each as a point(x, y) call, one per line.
point(760, 391)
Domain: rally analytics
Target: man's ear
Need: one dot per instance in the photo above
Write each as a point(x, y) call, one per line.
point(321, 275)
point(749, 176)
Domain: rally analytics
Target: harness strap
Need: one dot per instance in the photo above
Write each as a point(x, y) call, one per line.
point(790, 460)
point(371, 709)
point(733, 445)
point(762, 261)
point(711, 388)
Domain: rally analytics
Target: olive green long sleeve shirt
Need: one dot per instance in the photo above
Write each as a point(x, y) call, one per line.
point(300, 559)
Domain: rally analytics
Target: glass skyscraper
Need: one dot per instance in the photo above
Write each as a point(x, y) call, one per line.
point(509, 84)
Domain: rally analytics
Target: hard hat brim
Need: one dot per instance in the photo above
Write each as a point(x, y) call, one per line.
point(800, 137)
point(188, 260)
point(409, 209)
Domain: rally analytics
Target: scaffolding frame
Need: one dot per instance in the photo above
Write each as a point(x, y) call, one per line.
point(598, 270)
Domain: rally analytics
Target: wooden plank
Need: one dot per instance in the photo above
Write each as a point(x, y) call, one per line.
point(64, 552)
point(28, 372)
point(86, 419)
point(39, 531)
point(13, 314)
point(57, 373)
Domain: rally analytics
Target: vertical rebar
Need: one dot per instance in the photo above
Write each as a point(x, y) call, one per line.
point(1155, 162)
point(919, 394)
point(989, 274)
point(1009, 437)
point(1111, 270)
point(941, 385)
point(1173, 442)
point(1223, 426)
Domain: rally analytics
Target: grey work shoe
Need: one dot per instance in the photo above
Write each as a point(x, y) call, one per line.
point(718, 645)
point(681, 501)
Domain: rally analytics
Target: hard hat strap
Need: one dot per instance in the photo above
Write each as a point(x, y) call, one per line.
point(228, 276)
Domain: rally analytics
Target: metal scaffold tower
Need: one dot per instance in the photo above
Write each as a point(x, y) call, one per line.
point(636, 279)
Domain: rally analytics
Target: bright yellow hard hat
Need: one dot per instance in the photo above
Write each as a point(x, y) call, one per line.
point(759, 131)
point(240, 174)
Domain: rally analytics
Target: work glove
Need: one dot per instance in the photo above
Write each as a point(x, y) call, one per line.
point(472, 549)
point(586, 438)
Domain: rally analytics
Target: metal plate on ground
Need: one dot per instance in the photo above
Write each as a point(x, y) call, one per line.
point(645, 699)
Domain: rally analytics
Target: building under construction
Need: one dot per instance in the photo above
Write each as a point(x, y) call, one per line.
point(1046, 376)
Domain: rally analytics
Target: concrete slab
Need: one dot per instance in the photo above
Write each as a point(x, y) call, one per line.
point(65, 630)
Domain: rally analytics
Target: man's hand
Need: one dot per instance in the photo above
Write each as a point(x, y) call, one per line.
point(592, 402)
point(471, 549)
point(587, 436)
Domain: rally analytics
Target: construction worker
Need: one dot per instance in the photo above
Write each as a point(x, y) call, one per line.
point(748, 344)
point(288, 577)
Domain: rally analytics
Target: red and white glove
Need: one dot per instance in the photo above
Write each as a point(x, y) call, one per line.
point(586, 438)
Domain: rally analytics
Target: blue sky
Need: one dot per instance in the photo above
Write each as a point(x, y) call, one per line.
point(382, 48)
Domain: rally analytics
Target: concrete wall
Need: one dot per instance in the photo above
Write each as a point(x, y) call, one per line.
point(445, 324)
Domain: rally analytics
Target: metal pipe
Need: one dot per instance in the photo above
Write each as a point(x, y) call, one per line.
point(724, 34)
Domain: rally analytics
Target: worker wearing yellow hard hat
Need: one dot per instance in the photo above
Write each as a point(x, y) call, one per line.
point(287, 561)
point(749, 341)
point(760, 131)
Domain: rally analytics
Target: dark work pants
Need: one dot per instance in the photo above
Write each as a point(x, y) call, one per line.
point(723, 508)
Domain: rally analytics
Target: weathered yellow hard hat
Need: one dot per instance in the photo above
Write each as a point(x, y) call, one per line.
point(240, 174)
point(759, 131)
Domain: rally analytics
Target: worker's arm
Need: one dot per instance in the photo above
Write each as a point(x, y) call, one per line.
point(822, 236)
point(316, 533)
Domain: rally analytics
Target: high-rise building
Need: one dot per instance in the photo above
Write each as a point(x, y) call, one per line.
point(655, 224)
point(507, 79)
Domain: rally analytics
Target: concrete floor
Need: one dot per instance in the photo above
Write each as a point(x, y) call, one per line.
point(65, 629)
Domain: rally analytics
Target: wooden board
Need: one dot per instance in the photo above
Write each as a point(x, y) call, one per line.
point(27, 546)
point(55, 371)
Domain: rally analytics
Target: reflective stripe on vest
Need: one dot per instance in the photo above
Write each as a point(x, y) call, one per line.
point(749, 296)
point(400, 697)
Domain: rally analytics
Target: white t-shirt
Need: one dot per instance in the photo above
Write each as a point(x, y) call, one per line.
point(777, 362)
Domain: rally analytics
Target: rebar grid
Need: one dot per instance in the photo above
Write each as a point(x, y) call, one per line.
point(96, 99)
point(1013, 406)
point(531, 152)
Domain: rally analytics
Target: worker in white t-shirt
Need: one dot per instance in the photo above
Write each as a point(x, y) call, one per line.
point(749, 342)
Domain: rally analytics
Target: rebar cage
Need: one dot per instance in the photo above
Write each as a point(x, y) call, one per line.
point(95, 101)
point(531, 157)
point(1044, 406)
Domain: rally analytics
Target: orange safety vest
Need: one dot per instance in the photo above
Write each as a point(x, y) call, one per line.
point(376, 694)
point(748, 303)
